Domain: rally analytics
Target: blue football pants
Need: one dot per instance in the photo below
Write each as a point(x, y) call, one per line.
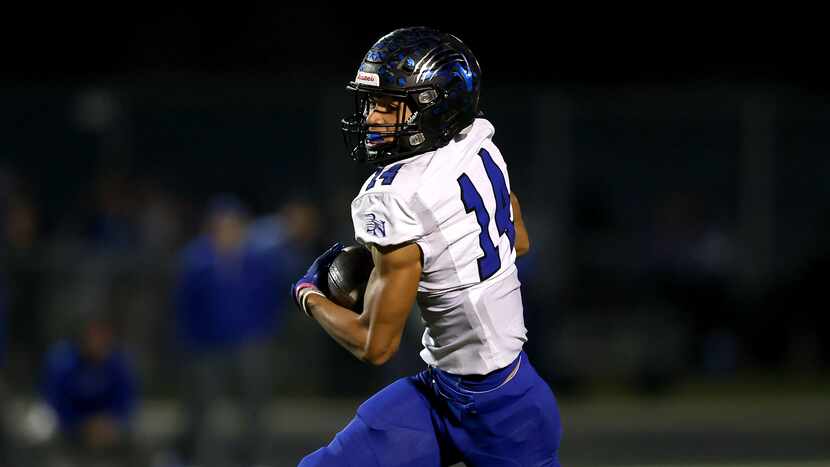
point(438, 419)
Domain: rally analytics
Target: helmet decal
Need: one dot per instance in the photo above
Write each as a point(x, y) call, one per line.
point(369, 79)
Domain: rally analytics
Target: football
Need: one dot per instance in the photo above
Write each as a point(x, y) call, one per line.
point(348, 276)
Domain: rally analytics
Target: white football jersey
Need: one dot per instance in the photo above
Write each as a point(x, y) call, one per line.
point(454, 203)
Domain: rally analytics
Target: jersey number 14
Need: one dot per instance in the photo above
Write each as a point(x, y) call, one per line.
point(470, 196)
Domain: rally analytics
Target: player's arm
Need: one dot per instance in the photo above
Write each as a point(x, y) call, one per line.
point(522, 240)
point(374, 335)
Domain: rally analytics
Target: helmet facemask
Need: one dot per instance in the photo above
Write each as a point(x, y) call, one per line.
point(381, 143)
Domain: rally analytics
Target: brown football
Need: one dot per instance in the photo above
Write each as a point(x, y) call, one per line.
point(348, 276)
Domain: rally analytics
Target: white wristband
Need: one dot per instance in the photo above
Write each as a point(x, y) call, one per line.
point(304, 297)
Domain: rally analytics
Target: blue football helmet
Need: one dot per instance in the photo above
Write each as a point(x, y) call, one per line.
point(434, 74)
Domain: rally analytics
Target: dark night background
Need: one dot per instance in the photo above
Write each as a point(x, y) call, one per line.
point(672, 164)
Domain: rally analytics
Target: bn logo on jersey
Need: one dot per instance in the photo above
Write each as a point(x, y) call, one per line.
point(375, 226)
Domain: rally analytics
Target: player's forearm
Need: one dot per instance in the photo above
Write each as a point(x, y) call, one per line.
point(342, 324)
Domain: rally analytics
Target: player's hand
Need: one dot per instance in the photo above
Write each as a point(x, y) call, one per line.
point(313, 279)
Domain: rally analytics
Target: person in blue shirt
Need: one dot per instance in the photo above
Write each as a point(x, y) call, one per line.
point(225, 295)
point(91, 386)
point(227, 308)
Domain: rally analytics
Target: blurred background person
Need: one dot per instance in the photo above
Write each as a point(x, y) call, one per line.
point(91, 386)
point(21, 261)
point(227, 304)
point(690, 262)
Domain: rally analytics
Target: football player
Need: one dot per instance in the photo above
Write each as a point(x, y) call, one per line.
point(444, 230)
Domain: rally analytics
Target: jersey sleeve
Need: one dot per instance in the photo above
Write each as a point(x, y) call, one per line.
point(384, 219)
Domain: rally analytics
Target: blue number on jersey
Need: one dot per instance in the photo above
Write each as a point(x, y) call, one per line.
point(490, 262)
point(388, 176)
point(504, 224)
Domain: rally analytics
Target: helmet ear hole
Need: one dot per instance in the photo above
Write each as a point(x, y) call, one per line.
point(416, 139)
point(427, 97)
